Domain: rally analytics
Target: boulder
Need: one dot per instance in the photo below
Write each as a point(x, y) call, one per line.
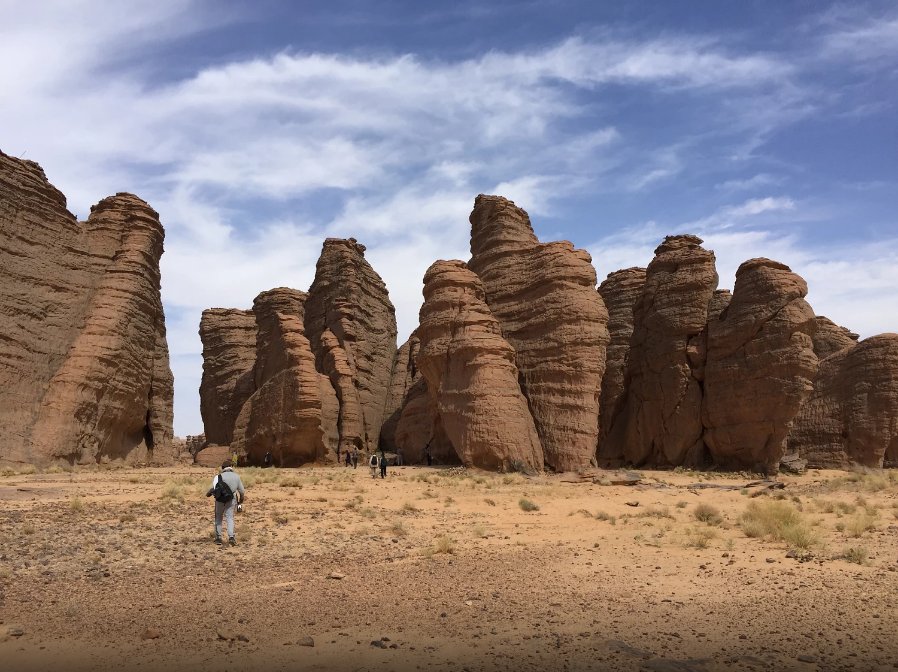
point(471, 375)
point(348, 299)
point(620, 291)
point(760, 367)
point(851, 417)
point(543, 296)
point(84, 372)
point(659, 421)
point(229, 357)
point(830, 338)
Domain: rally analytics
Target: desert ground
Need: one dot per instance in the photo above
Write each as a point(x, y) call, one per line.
point(439, 568)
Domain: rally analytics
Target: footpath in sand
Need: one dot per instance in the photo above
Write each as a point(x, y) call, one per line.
point(447, 569)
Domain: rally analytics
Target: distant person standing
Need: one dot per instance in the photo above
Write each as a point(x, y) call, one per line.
point(372, 464)
point(355, 457)
point(348, 458)
point(383, 464)
point(267, 460)
point(227, 488)
point(427, 454)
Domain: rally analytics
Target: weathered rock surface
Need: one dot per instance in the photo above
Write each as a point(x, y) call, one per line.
point(760, 367)
point(419, 429)
point(229, 357)
point(659, 422)
point(84, 372)
point(851, 417)
point(405, 374)
point(544, 297)
point(620, 291)
point(830, 338)
point(284, 413)
point(470, 373)
point(348, 299)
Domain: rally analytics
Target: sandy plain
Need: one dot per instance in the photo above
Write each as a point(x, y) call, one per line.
point(445, 569)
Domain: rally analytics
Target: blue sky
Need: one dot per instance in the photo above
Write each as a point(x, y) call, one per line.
point(258, 129)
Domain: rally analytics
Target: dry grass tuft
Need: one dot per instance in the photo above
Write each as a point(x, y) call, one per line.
point(778, 521)
point(527, 505)
point(856, 554)
point(706, 513)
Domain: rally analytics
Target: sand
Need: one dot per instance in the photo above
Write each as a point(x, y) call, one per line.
point(443, 569)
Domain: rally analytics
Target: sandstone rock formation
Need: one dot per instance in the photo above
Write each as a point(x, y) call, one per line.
point(851, 417)
point(349, 300)
point(471, 375)
point(543, 295)
point(84, 372)
point(419, 429)
point(404, 375)
point(760, 367)
point(284, 413)
point(829, 337)
point(229, 356)
point(620, 291)
point(659, 422)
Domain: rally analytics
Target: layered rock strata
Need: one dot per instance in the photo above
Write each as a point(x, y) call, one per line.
point(349, 299)
point(404, 375)
point(619, 291)
point(229, 357)
point(84, 372)
point(659, 421)
point(544, 297)
point(760, 367)
point(419, 429)
point(851, 417)
point(283, 415)
point(471, 375)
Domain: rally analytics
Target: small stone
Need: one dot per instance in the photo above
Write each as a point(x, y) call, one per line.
point(807, 659)
point(378, 644)
point(305, 641)
point(242, 638)
point(151, 633)
point(336, 575)
point(633, 503)
point(771, 560)
point(14, 631)
point(226, 636)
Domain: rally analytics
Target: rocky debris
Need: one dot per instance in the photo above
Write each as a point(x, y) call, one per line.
point(305, 641)
point(659, 422)
point(349, 299)
point(760, 367)
point(792, 463)
point(471, 375)
point(620, 291)
point(404, 375)
point(851, 417)
point(194, 444)
point(229, 356)
point(85, 374)
point(543, 296)
point(283, 415)
point(212, 456)
point(830, 338)
point(151, 633)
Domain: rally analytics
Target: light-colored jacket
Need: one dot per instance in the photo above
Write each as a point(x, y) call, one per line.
point(232, 478)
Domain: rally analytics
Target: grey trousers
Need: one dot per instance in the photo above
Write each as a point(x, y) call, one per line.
point(225, 509)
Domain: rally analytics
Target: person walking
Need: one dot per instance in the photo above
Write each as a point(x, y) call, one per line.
point(383, 465)
point(228, 490)
point(348, 458)
point(355, 457)
point(372, 464)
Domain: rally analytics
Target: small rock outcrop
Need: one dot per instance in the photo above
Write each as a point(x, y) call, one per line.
point(830, 338)
point(229, 357)
point(84, 371)
point(659, 421)
point(349, 300)
point(284, 413)
point(760, 367)
point(620, 291)
point(544, 297)
point(851, 417)
point(470, 373)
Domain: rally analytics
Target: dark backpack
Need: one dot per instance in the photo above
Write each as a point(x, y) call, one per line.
point(222, 491)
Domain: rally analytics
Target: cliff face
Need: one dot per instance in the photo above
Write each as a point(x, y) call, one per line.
point(851, 416)
point(760, 367)
point(229, 356)
point(349, 300)
point(404, 375)
point(659, 420)
point(471, 375)
point(84, 372)
point(543, 296)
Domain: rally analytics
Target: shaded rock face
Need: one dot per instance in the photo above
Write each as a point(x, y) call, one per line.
point(543, 295)
point(851, 417)
point(419, 429)
point(760, 367)
point(619, 291)
point(84, 372)
point(470, 373)
point(830, 338)
point(229, 357)
point(659, 421)
point(349, 300)
point(283, 415)
point(405, 374)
